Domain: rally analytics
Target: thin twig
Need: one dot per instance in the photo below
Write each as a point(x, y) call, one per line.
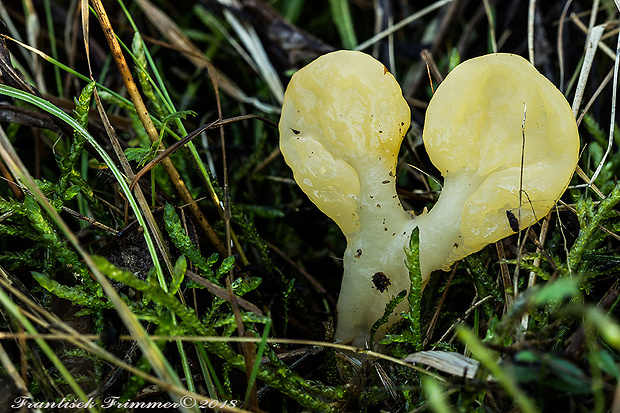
point(402, 24)
point(185, 140)
point(431, 325)
point(598, 91)
point(473, 306)
point(505, 275)
point(515, 277)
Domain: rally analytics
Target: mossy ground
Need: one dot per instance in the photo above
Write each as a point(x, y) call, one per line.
point(163, 328)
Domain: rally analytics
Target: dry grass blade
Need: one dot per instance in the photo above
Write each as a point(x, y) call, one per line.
point(584, 29)
point(598, 91)
point(19, 194)
point(59, 330)
point(614, 101)
point(343, 347)
point(594, 37)
point(184, 45)
point(278, 91)
point(531, 17)
point(19, 381)
point(142, 112)
point(171, 31)
point(452, 363)
point(151, 352)
point(431, 66)
point(148, 215)
point(475, 304)
point(33, 30)
point(593, 14)
point(255, 48)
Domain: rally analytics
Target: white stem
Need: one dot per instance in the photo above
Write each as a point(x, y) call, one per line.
point(441, 241)
point(379, 246)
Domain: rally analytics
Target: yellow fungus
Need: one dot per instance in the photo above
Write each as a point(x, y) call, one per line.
point(343, 120)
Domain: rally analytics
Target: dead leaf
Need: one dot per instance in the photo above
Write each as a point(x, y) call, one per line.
point(452, 363)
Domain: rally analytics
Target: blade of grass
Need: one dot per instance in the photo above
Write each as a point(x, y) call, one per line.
point(254, 46)
point(211, 21)
point(488, 360)
point(154, 228)
point(7, 363)
point(531, 16)
point(55, 111)
point(203, 171)
point(52, 37)
point(15, 312)
point(87, 343)
point(435, 396)
point(214, 387)
point(594, 37)
point(66, 68)
point(167, 27)
point(149, 127)
point(259, 356)
point(291, 10)
point(150, 350)
point(248, 350)
point(491, 19)
point(341, 17)
point(141, 199)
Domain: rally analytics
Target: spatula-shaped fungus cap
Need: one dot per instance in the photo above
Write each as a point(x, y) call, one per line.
point(342, 113)
point(343, 120)
point(473, 134)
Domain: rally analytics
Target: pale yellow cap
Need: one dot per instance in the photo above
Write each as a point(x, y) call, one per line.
point(474, 126)
point(340, 113)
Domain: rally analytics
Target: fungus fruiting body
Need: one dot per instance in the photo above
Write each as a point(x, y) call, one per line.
point(343, 120)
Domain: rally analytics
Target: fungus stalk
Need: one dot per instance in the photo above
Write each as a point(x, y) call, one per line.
point(343, 120)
